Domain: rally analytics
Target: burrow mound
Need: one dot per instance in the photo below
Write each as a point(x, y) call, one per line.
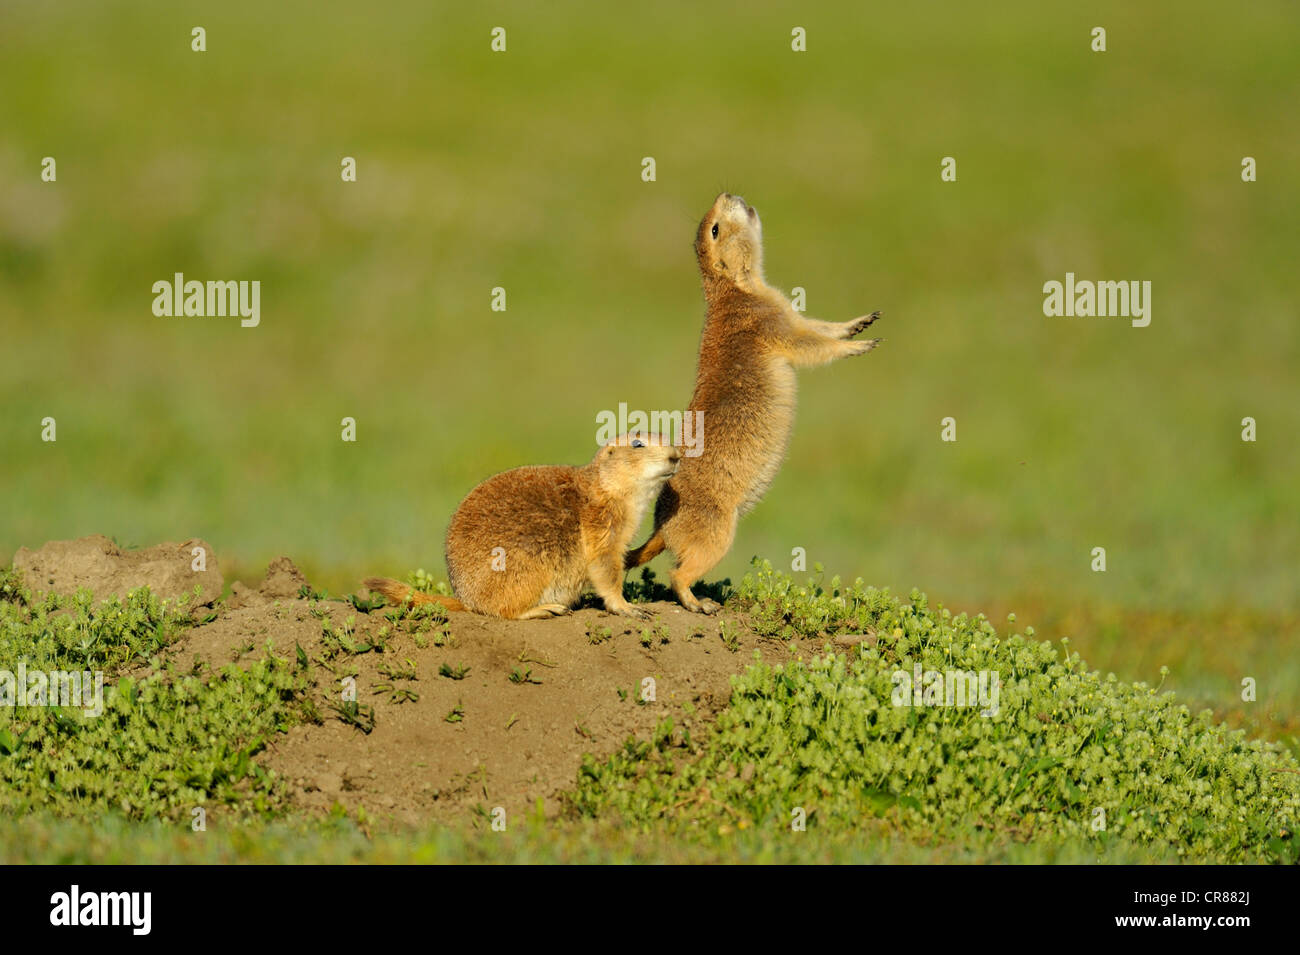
point(464, 714)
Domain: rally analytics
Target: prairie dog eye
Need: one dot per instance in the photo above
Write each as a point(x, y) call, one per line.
point(715, 230)
point(638, 443)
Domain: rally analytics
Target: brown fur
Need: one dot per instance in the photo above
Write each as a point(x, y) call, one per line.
point(398, 592)
point(524, 543)
point(753, 341)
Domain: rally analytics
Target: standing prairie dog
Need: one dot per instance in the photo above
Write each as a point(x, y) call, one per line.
point(753, 341)
point(524, 543)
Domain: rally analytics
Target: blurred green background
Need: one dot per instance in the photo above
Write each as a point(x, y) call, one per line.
point(522, 170)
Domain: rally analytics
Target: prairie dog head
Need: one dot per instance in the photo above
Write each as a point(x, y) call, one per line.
point(635, 466)
point(729, 243)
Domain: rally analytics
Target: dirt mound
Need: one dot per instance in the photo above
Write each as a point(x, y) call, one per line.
point(95, 562)
point(451, 715)
point(470, 713)
point(283, 581)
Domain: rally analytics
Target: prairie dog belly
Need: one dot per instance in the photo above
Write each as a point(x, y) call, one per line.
point(747, 428)
point(772, 441)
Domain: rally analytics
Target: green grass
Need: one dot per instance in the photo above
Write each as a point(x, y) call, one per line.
point(158, 742)
point(341, 840)
point(818, 741)
point(1064, 752)
point(522, 170)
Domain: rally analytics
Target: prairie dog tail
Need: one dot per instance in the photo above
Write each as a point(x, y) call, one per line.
point(645, 553)
point(398, 592)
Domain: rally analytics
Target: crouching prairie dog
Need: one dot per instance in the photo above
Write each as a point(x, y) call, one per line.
point(525, 542)
point(753, 341)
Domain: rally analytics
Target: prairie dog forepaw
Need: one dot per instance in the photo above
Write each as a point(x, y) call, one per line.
point(629, 610)
point(862, 347)
point(860, 324)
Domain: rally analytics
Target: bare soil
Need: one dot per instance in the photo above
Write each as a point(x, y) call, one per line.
point(169, 570)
